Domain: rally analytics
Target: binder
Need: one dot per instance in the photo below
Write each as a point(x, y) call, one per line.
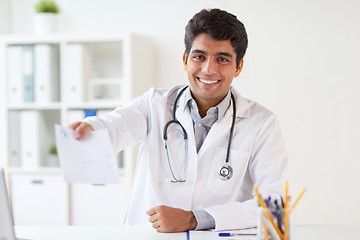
point(14, 139)
point(78, 66)
point(14, 75)
point(28, 72)
point(47, 85)
point(34, 146)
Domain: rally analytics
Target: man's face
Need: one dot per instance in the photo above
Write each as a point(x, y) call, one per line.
point(211, 67)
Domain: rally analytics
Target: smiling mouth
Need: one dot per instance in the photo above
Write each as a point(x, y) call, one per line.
point(207, 81)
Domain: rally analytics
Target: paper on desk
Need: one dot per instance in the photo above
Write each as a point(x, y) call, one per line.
point(90, 160)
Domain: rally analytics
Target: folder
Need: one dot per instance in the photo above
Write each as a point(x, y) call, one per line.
point(47, 73)
point(28, 73)
point(14, 75)
point(14, 139)
point(33, 139)
point(78, 66)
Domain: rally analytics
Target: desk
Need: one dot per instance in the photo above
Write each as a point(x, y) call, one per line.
point(306, 232)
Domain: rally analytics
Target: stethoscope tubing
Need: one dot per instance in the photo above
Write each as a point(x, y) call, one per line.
point(174, 121)
point(231, 129)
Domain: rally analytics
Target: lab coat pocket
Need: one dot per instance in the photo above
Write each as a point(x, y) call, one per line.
point(238, 161)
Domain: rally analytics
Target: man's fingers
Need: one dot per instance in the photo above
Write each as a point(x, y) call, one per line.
point(74, 125)
point(168, 219)
point(79, 132)
point(156, 225)
point(151, 211)
point(80, 129)
point(152, 219)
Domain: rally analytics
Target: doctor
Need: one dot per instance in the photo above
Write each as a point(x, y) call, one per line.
point(203, 147)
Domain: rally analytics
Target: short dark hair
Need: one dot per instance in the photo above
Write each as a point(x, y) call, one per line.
point(220, 25)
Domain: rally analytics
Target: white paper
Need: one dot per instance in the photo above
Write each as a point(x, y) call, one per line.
point(89, 160)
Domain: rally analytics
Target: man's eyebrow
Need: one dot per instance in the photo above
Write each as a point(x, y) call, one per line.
point(226, 54)
point(198, 51)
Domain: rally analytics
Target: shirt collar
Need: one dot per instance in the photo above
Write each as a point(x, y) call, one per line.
point(221, 107)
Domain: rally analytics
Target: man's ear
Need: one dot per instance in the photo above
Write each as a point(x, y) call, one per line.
point(239, 68)
point(185, 61)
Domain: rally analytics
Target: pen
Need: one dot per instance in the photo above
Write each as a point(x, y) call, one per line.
point(187, 235)
point(225, 234)
point(278, 215)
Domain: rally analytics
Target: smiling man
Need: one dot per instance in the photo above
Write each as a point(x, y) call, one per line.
point(211, 66)
point(203, 147)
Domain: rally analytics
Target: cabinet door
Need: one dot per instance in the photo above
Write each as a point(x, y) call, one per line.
point(39, 200)
point(98, 204)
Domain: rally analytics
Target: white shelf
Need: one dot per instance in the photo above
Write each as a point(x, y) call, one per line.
point(109, 60)
point(35, 106)
point(95, 105)
point(66, 38)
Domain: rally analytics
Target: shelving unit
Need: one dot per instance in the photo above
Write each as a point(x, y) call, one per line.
point(93, 72)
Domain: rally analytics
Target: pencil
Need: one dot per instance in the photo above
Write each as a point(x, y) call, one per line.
point(297, 199)
point(286, 194)
point(286, 225)
point(265, 230)
point(267, 214)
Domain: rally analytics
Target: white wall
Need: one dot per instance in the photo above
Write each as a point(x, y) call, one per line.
point(4, 16)
point(302, 63)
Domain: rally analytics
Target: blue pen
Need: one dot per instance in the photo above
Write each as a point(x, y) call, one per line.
point(224, 234)
point(187, 235)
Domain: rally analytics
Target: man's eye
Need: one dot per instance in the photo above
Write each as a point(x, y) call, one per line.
point(198, 57)
point(224, 60)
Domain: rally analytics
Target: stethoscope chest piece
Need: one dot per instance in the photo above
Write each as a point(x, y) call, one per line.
point(225, 172)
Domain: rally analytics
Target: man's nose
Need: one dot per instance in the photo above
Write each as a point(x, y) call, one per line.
point(209, 66)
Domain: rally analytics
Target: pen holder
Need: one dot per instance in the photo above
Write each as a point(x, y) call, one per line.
point(273, 225)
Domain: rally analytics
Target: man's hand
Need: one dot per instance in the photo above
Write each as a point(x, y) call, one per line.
point(169, 219)
point(80, 129)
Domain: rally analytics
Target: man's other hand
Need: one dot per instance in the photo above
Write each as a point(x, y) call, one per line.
point(169, 219)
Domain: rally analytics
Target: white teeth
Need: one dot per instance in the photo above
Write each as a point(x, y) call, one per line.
point(207, 81)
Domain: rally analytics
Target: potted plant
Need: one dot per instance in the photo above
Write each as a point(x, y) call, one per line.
point(53, 159)
point(46, 16)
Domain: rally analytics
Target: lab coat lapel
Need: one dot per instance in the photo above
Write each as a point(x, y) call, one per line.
point(217, 131)
point(223, 126)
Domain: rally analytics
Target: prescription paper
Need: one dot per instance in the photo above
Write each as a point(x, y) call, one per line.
point(89, 160)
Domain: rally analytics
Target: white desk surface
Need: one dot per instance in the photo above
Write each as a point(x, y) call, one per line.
point(306, 232)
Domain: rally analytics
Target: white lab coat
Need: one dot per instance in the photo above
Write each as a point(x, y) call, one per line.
point(258, 157)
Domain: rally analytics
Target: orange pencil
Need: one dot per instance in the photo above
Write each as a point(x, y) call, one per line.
point(286, 225)
point(265, 230)
point(297, 199)
point(286, 194)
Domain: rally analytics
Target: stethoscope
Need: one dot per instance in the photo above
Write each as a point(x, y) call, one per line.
point(226, 171)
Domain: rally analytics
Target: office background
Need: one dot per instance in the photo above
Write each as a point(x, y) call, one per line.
point(302, 63)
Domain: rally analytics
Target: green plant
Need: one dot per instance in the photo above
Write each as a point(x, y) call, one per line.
point(47, 6)
point(53, 149)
